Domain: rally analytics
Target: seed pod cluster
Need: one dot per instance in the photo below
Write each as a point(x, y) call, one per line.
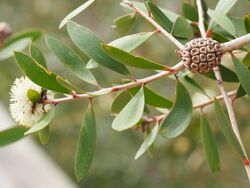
point(201, 55)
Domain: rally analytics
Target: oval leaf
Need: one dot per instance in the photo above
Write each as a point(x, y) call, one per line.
point(70, 59)
point(19, 45)
point(226, 129)
point(190, 12)
point(223, 6)
point(42, 123)
point(171, 15)
point(127, 43)
point(123, 24)
point(227, 74)
point(209, 145)
point(37, 55)
point(44, 135)
point(194, 85)
point(160, 17)
point(130, 60)
point(12, 135)
point(247, 23)
point(180, 115)
point(32, 35)
point(120, 101)
point(222, 20)
point(152, 98)
point(149, 140)
point(75, 12)
point(131, 113)
point(130, 42)
point(180, 25)
point(38, 74)
point(89, 44)
point(86, 144)
point(243, 74)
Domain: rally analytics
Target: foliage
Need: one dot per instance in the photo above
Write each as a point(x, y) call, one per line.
point(137, 106)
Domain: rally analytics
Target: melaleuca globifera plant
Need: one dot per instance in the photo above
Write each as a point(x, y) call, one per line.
point(202, 37)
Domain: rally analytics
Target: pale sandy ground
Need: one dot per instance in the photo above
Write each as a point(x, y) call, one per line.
point(25, 165)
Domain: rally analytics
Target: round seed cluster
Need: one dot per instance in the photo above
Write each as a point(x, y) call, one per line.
point(201, 55)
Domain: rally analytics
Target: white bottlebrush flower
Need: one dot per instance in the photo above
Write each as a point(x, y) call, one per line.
point(23, 110)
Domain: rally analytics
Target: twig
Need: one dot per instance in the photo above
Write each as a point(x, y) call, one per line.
point(236, 43)
point(178, 67)
point(198, 106)
point(231, 114)
point(201, 20)
point(156, 25)
point(104, 91)
point(220, 97)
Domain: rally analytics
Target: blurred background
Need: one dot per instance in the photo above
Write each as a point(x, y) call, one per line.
point(175, 163)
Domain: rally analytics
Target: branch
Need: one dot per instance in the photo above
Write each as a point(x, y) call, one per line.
point(178, 67)
point(201, 106)
point(236, 43)
point(201, 21)
point(173, 70)
point(156, 25)
point(231, 114)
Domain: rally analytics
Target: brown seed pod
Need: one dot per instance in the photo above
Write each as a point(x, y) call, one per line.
point(201, 55)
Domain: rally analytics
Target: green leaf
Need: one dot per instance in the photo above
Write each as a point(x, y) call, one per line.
point(160, 17)
point(130, 60)
point(32, 35)
point(204, 8)
point(18, 42)
point(180, 115)
point(218, 37)
point(152, 98)
point(227, 74)
point(240, 92)
point(247, 23)
point(19, 45)
point(194, 85)
point(34, 96)
point(44, 135)
point(92, 64)
point(246, 60)
point(131, 113)
point(89, 44)
point(223, 6)
point(181, 25)
point(223, 21)
point(68, 85)
point(239, 24)
point(171, 15)
point(190, 12)
point(12, 135)
point(42, 123)
point(243, 74)
point(120, 101)
point(209, 145)
point(127, 43)
point(225, 127)
point(70, 59)
point(75, 12)
point(86, 144)
point(37, 55)
point(123, 24)
point(38, 74)
point(149, 140)
point(130, 42)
